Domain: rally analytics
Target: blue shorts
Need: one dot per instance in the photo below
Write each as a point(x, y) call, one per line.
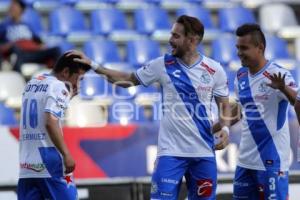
point(47, 188)
point(200, 175)
point(259, 185)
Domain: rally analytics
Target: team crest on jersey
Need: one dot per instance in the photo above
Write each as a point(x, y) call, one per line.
point(205, 78)
point(263, 87)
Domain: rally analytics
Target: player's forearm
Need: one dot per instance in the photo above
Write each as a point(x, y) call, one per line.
point(232, 117)
point(289, 93)
point(119, 78)
point(56, 136)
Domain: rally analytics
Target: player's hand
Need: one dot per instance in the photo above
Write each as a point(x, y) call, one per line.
point(82, 57)
point(222, 138)
point(69, 163)
point(277, 81)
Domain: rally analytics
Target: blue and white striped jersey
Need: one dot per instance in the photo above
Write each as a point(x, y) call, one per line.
point(38, 156)
point(187, 94)
point(265, 140)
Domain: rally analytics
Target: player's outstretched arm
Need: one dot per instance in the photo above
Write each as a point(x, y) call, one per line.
point(119, 78)
point(56, 135)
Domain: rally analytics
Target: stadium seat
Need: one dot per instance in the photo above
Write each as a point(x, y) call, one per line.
point(199, 12)
point(62, 43)
point(204, 16)
point(4, 4)
point(276, 48)
point(232, 17)
point(43, 5)
point(231, 74)
point(125, 112)
point(152, 21)
point(83, 113)
point(7, 116)
point(224, 50)
point(297, 48)
point(135, 91)
point(11, 92)
point(111, 22)
point(102, 51)
point(141, 51)
point(279, 18)
point(68, 22)
point(95, 86)
point(33, 18)
point(131, 5)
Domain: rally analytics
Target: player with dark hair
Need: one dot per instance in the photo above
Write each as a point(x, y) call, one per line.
point(263, 89)
point(46, 164)
point(190, 81)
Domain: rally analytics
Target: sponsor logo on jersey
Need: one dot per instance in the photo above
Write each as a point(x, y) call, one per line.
point(37, 167)
point(204, 187)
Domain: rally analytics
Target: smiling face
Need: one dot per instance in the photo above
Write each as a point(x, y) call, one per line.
point(178, 41)
point(249, 52)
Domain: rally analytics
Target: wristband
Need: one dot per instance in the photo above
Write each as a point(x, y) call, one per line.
point(95, 66)
point(226, 129)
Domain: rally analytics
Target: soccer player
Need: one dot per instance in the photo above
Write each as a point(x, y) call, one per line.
point(297, 110)
point(189, 82)
point(264, 90)
point(45, 161)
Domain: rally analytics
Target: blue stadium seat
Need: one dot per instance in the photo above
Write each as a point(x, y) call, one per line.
point(102, 51)
point(68, 22)
point(63, 44)
point(111, 22)
point(7, 116)
point(125, 112)
point(43, 5)
point(203, 14)
point(33, 18)
point(141, 51)
point(149, 20)
point(106, 20)
point(276, 48)
point(92, 85)
point(224, 50)
point(231, 74)
point(231, 18)
point(132, 92)
point(199, 12)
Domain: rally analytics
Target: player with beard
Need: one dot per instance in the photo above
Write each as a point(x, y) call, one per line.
point(190, 81)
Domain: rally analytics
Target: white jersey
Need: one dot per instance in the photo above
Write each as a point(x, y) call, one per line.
point(298, 143)
point(187, 93)
point(265, 140)
point(38, 155)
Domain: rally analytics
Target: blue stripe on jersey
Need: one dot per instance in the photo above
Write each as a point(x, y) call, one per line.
point(52, 160)
point(281, 116)
point(185, 88)
point(256, 124)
